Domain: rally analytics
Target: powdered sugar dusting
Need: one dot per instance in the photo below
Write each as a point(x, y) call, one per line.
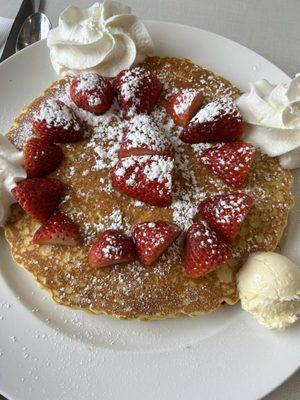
point(151, 237)
point(22, 134)
point(130, 86)
point(151, 168)
point(89, 81)
point(132, 290)
point(56, 114)
point(186, 99)
point(221, 106)
point(143, 132)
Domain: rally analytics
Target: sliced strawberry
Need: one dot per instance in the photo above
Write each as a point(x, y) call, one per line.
point(41, 157)
point(57, 122)
point(58, 229)
point(137, 91)
point(39, 197)
point(110, 248)
point(153, 238)
point(204, 251)
point(225, 213)
point(143, 136)
point(92, 92)
point(230, 162)
point(146, 178)
point(184, 105)
point(218, 121)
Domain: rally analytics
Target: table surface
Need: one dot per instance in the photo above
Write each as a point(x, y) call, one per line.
point(269, 27)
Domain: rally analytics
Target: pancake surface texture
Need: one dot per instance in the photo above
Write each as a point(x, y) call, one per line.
point(133, 290)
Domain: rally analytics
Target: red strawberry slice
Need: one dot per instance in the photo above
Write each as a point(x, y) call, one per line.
point(218, 121)
point(204, 251)
point(111, 247)
point(230, 162)
point(41, 157)
point(153, 238)
point(39, 197)
point(225, 213)
point(60, 230)
point(57, 122)
point(146, 178)
point(92, 92)
point(184, 105)
point(143, 136)
point(137, 91)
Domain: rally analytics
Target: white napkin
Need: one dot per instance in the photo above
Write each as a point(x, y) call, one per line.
point(5, 25)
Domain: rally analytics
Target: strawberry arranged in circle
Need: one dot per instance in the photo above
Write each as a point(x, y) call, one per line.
point(39, 197)
point(184, 105)
point(153, 238)
point(204, 251)
point(110, 248)
point(225, 213)
point(57, 122)
point(137, 90)
point(58, 229)
point(143, 136)
point(146, 178)
point(92, 92)
point(230, 162)
point(41, 157)
point(219, 121)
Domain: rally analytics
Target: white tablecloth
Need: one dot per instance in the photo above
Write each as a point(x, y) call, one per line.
point(269, 27)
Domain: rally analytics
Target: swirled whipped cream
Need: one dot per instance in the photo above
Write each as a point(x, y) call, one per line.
point(272, 114)
point(11, 172)
point(104, 38)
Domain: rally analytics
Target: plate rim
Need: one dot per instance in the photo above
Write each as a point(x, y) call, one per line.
point(158, 22)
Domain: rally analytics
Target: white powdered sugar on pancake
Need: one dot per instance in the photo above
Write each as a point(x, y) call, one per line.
point(156, 131)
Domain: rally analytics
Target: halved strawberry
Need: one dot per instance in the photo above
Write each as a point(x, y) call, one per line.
point(204, 251)
point(184, 105)
point(110, 248)
point(41, 157)
point(137, 90)
point(225, 213)
point(58, 229)
point(143, 136)
point(153, 238)
point(39, 197)
point(218, 121)
point(146, 178)
point(230, 162)
point(57, 122)
point(92, 92)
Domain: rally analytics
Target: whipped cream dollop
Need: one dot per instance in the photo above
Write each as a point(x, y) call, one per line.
point(11, 172)
point(104, 38)
point(272, 116)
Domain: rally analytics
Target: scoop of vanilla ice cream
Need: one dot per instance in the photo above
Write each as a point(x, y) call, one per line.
point(269, 288)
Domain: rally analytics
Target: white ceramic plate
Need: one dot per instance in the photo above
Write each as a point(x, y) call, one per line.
point(50, 352)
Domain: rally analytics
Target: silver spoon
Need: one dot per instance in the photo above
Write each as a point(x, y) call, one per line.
point(34, 28)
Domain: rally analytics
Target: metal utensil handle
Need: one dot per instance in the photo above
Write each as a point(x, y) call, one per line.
point(36, 5)
point(25, 10)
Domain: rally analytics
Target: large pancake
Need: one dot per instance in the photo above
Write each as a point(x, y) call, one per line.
point(132, 290)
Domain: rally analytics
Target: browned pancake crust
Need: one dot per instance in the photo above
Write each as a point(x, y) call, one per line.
point(135, 291)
